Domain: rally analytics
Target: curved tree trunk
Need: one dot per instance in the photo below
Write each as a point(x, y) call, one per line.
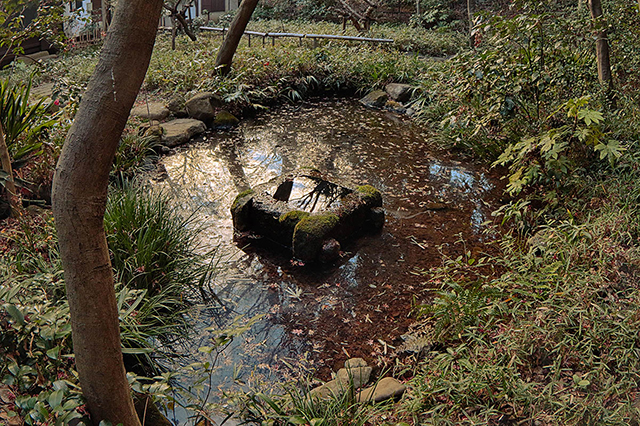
point(236, 30)
point(79, 199)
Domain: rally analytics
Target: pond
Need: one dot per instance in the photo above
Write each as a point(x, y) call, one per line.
point(361, 305)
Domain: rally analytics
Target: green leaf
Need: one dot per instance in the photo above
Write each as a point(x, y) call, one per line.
point(297, 420)
point(55, 399)
point(612, 150)
point(15, 313)
point(54, 353)
point(137, 351)
point(590, 116)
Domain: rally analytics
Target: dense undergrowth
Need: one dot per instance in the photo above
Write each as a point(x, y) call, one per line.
point(543, 331)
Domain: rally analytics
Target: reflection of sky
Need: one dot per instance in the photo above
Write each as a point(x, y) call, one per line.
point(350, 271)
point(467, 181)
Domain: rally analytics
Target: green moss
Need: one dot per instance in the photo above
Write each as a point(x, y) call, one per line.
point(224, 119)
point(291, 219)
point(370, 195)
point(239, 197)
point(309, 234)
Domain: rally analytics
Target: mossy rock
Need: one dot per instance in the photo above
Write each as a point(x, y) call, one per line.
point(225, 119)
point(239, 198)
point(371, 196)
point(291, 219)
point(241, 209)
point(310, 233)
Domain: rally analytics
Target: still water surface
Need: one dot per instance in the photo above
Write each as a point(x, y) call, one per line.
point(361, 305)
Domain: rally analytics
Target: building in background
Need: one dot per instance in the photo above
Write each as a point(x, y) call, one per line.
point(212, 9)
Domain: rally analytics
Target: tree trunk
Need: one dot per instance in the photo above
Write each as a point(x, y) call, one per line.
point(602, 44)
point(9, 185)
point(79, 200)
point(174, 32)
point(105, 15)
point(236, 30)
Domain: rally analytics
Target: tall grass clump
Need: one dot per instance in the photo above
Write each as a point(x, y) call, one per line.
point(36, 355)
point(153, 246)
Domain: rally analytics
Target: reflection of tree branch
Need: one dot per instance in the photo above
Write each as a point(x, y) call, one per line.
point(235, 168)
point(329, 190)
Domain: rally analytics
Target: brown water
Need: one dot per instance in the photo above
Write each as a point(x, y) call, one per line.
point(363, 302)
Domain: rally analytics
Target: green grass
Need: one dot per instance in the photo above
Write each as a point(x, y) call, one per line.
point(264, 74)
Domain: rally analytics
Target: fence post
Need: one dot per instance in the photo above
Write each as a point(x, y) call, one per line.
point(249, 35)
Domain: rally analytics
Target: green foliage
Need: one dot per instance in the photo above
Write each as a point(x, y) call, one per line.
point(23, 124)
point(435, 13)
point(133, 155)
point(46, 23)
point(300, 9)
point(36, 359)
point(152, 245)
point(289, 71)
point(297, 407)
point(549, 157)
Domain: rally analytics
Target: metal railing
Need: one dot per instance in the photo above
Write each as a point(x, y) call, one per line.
point(301, 37)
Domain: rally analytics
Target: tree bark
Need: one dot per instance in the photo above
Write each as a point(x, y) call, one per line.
point(79, 200)
point(602, 44)
point(236, 30)
point(5, 161)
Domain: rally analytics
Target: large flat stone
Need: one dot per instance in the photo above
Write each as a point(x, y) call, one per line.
point(151, 111)
point(180, 131)
point(386, 388)
point(327, 390)
point(375, 99)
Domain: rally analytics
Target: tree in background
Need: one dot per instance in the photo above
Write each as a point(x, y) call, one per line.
point(602, 44)
point(360, 13)
point(236, 30)
point(178, 13)
point(79, 200)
